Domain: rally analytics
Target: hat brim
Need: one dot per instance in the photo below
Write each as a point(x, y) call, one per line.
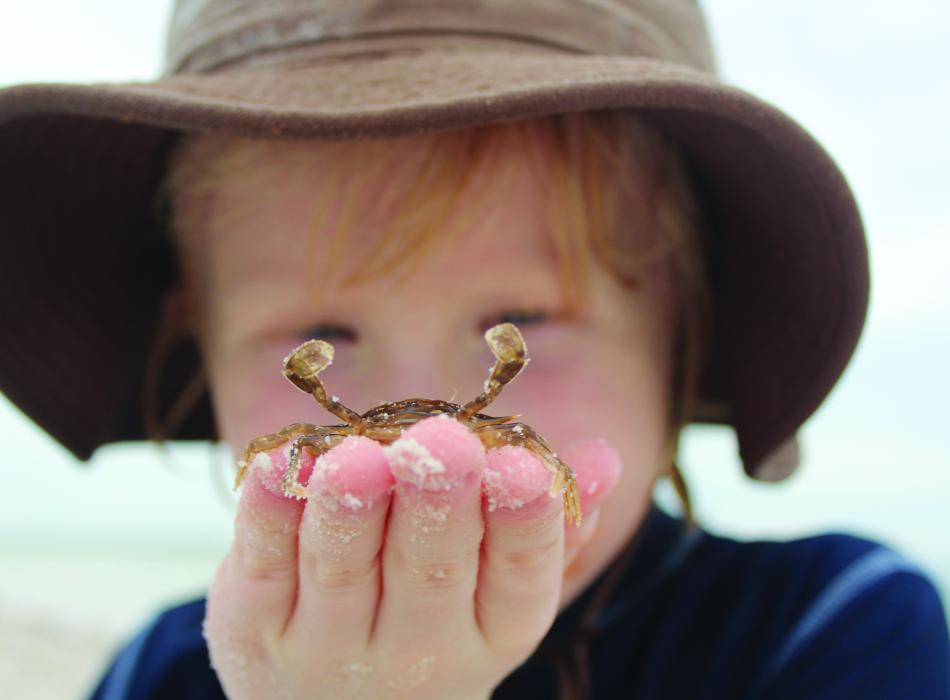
point(80, 163)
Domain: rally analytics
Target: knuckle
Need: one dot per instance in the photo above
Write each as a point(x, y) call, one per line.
point(253, 524)
point(438, 575)
point(523, 559)
point(258, 560)
point(341, 577)
point(257, 565)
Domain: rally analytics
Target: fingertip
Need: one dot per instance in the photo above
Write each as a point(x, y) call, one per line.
point(513, 477)
point(272, 465)
point(522, 552)
point(265, 520)
point(262, 491)
point(436, 454)
point(354, 474)
point(597, 467)
point(265, 532)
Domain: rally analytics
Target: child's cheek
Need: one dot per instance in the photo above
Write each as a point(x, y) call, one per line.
point(265, 402)
point(630, 420)
point(565, 403)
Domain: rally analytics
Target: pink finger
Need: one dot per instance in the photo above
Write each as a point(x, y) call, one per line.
point(597, 468)
point(340, 539)
point(271, 466)
point(519, 581)
point(257, 582)
point(430, 558)
point(515, 477)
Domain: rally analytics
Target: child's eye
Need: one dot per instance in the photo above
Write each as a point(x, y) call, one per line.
point(329, 331)
point(520, 317)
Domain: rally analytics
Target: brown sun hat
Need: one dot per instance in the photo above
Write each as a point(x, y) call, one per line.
point(84, 259)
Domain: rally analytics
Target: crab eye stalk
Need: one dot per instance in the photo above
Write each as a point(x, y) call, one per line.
point(303, 365)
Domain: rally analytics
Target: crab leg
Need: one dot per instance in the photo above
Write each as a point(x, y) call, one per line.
point(323, 439)
point(521, 435)
point(265, 443)
point(510, 353)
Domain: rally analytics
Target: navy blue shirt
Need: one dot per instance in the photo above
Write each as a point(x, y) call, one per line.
point(694, 616)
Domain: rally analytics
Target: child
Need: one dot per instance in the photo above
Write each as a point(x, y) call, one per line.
point(672, 250)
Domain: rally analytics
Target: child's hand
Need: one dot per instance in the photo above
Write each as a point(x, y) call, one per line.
point(328, 600)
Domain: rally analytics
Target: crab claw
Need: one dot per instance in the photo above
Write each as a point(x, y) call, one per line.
point(506, 342)
point(303, 365)
point(508, 347)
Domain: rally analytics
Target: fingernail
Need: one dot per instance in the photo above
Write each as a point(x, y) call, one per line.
point(353, 475)
point(437, 454)
point(514, 477)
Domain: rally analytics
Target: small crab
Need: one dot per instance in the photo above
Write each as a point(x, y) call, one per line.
point(384, 423)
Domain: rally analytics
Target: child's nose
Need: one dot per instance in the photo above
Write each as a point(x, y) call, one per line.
point(425, 363)
point(422, 375)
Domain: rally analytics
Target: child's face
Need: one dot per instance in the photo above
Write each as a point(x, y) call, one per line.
point(604, 373)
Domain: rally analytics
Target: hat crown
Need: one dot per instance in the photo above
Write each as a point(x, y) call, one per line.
point(207, 34)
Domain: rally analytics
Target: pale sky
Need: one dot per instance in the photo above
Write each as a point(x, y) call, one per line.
point(868, 79)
